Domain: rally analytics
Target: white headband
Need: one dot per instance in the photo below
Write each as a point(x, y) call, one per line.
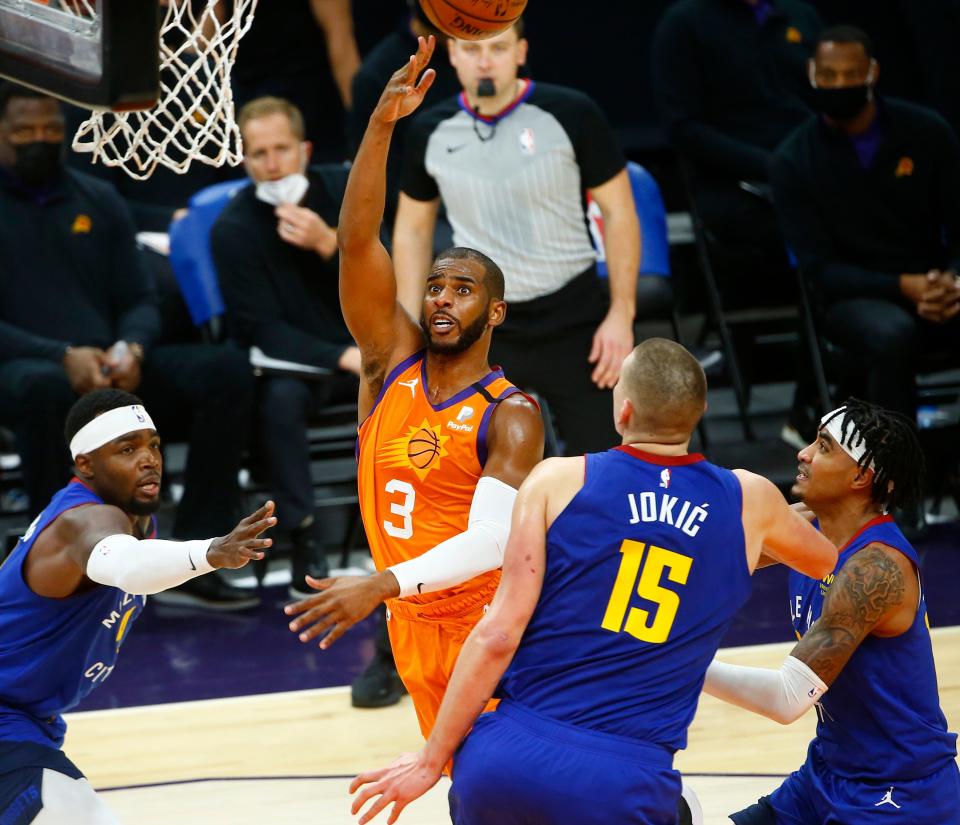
point(855, 445)
point(108, 426)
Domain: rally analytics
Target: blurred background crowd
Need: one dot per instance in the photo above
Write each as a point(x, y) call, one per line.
point(795, 185)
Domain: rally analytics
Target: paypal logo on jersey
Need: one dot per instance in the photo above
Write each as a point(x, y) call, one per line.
point(465, 413)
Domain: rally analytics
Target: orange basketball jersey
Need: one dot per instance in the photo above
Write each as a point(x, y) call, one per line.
point(419, 465)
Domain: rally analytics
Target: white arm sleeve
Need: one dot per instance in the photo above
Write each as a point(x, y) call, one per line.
point(782, 695)
point(476, 550)
point(147, 566)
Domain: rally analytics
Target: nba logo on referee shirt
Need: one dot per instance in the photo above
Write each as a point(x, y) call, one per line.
point(527, 144)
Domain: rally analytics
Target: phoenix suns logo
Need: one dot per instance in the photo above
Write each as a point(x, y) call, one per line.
point(420, 449)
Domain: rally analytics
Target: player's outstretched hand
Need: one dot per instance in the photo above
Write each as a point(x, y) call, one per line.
point(403, 93)
point(408, 778)
point(340, 604)
point(243, 544)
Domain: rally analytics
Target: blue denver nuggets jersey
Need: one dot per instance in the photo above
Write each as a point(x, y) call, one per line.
point(885, 702)
point(53, 652)
point(646, 566)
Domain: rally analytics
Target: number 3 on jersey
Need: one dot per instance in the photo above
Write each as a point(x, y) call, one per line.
point(404, 509)
point(649, 570)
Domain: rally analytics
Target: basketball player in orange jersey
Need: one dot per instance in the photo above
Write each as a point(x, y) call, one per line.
point(444, 441)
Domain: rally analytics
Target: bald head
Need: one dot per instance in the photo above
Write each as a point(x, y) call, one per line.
point(666, 386)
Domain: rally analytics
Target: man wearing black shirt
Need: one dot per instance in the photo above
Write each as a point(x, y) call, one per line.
point(730, 80)
point(78, 313)
point(275, 249)
point(869, 199)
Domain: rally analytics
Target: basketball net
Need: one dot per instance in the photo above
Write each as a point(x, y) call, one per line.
point(194, 116)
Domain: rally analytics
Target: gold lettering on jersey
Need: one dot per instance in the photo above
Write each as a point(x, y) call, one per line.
point(825, 583)
point(420, 449)
point(124, 624)
point(642, 570)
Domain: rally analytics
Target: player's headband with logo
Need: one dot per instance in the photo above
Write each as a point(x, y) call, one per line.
point(108, 426)
point(854, 445)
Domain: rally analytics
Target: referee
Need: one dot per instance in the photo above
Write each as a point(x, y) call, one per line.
point(510, 159)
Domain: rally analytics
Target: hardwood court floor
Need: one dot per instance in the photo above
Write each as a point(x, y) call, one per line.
point(288, 757)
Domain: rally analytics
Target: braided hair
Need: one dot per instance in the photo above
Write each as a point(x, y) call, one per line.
point(893, 448)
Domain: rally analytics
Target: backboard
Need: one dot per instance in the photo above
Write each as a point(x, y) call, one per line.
point(98, 54)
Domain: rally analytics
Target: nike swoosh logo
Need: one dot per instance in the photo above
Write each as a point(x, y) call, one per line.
point(420, 588)
point(190, 559)
point(452, 149)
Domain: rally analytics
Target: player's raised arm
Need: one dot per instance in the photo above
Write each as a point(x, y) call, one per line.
point(368, 290)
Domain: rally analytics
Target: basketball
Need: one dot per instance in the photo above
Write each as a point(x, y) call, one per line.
point(423, 448)
point(473, 19)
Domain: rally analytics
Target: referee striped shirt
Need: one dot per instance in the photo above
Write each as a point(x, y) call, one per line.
point(513, 184)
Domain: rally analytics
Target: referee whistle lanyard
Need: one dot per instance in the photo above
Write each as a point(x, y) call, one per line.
point(485, 88)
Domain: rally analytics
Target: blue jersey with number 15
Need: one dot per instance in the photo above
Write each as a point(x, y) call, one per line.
point(645, 568)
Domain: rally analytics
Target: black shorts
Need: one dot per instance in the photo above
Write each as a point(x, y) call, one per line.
point(21, 776)
point(761, 813)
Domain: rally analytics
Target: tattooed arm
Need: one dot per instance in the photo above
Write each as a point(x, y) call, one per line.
point(876, 592)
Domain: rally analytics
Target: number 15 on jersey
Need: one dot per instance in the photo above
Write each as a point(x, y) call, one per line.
point(644, 573)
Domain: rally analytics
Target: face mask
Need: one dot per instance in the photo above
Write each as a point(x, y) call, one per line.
point(37, 164)
point(843, 103)
point(290, 189)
